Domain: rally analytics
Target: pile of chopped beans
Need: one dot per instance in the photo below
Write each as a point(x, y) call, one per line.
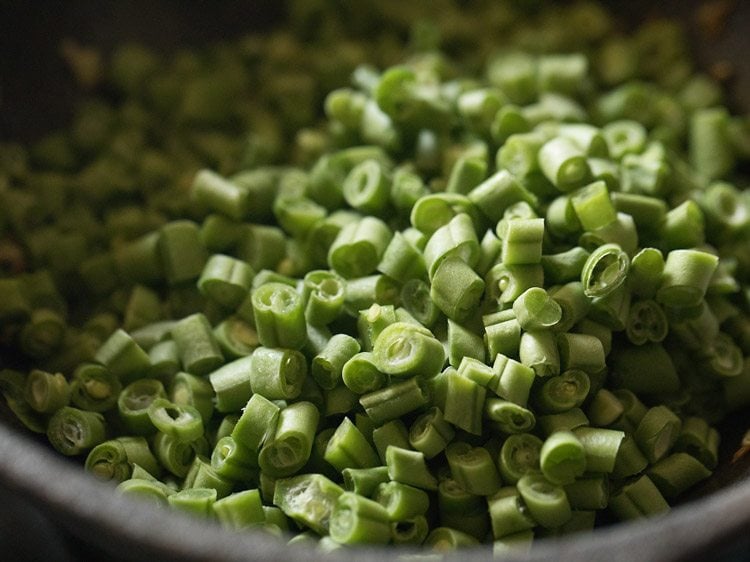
point(408, 277)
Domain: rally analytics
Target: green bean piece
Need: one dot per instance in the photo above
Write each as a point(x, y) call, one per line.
point(561, 218)
point(677, 473)
point(233, 461)
point(648, 212)
point(563, 163)
point(348, 448)
point(276, 374)
point(416, 299)
point(372, 321)
point(133, 405)
point(361, 375)
point(46, 392)
point(503, 337)
point(232, 383)
point(226, 426)
point(407, 188)
point(257, 422)
point(536, 310)
point(140, 261)
point(519, 454)
point(605, 270)
point(588, 493)
point(363, 292)
point(236, 337)
point(509, 516)
point(473, 468)
point(657, 432)
point(546, 502)
point(289, 447)
point(646, 322)
point(514, 380)
point(123, 357)
point(226, 280)
point(12, 385)
point(190, 390)
point(699, 440)
point(709, 148)
point(601, 447)
point(177, 456)
point(522, 242)
point(43, 333)
point(395, 400)
point(197, 347)
point(564, 267)
point(593, 206)
point(322, 234)
point(184, 423)
point(356, 520)
point(149, 335)
point(261, 246)
point(394, 433)
point(72, 431)
point(498, 192)
point(562, 458)
point(640, 498)
point(323, 292)
point(509, 417)
point(686, 277)
point(405, 350)
point(445, 539)
point(412, 531)
point(465, 403)
point(279, 316)
point(633, 410)
point(462, 510)
point(181, 252)
point(113, 460)
point(604, 408)
point(538, 350)
point(563, 392)
point(195, 501)
point(456, 289)
point(365, 481)
point(456, 239)
point(359, 247)
point(409, 467)
point(582, 352)
point(402, 260)
point(565, 421)
point(401, 501)
point(477, 371)
point(308, 499)
point(505, 283)
point(430, 433)
point(624, 137)
point(165, 360)
point(463, 343)
point(339, 400)
point(327, 366)
point(240, 509)
point(143, 489)
point(94, 388)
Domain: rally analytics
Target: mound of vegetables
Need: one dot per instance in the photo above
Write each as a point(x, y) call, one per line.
point(438, 278)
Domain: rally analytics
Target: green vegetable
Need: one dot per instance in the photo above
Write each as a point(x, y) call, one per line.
point(400, 302)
